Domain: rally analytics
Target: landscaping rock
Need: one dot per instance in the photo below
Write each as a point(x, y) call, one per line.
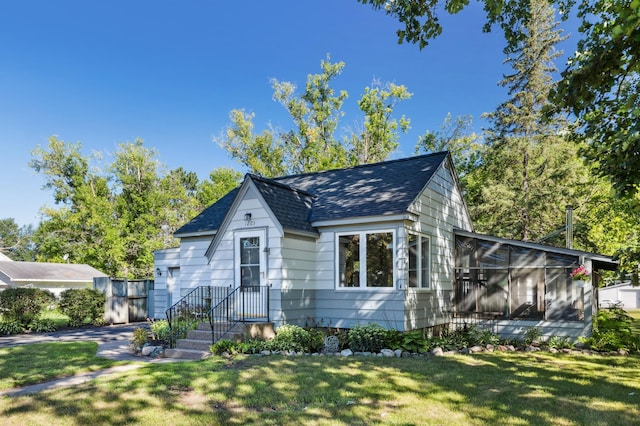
point(437, 351)
point(387, 352)
point(346, 352)
point(475, 349)
point(398, 353)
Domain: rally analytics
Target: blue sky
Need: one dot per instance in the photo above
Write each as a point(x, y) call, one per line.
point(169, 72)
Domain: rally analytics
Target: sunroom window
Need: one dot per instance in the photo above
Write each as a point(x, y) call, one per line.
point(419, 261)
point(365, 259)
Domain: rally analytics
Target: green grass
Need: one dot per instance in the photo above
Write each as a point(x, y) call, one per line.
point(35, 363)
point(497, 388)
point(635, 326)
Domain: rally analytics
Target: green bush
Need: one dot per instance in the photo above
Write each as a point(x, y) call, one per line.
point(612, 331)
point(291, 338)
point(224, 345)
point(139, 338)
point(43, 325)
point(556, 342)
point(83, 305)
point(410, 341)
point(160, 330)
point(24, 304)
point(367, 338)
point(8, 327)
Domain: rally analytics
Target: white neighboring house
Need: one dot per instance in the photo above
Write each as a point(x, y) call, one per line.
point(55, 277)
point(390, 243)
point(624, 295)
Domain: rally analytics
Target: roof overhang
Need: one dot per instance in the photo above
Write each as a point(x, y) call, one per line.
point(365, 220)
point(196, 234)
point(598, 261)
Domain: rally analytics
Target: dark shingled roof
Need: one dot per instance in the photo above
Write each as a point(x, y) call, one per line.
point(40, 271)
point(210, 218)
point(377, 189)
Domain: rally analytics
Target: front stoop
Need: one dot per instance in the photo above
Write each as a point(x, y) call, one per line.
point(197, 343)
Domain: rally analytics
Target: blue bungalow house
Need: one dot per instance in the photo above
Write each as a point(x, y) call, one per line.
point(390, 243)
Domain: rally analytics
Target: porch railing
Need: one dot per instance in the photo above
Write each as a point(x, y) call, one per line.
point(242, 305)
point(221, 307)
point(192, 309)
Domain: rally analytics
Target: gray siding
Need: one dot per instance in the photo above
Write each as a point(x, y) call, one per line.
point(425, 309)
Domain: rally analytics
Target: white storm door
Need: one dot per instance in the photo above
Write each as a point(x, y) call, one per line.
point(250, 273)
point(250, 259)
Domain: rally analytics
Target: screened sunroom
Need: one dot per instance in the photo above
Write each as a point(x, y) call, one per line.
point(519, 285)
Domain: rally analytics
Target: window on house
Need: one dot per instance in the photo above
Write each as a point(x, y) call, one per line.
point(419, 270)
point(365, 259)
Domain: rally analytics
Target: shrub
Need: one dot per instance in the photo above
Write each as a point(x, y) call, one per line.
point(224, 345)
point(612, 331)
point(160, 330)
point(83, 305)
point(43, 325)
point(24, 304)
point(367, 338)
point(139, 338)
point(556, 342)
point(410, 341)
point(291, 337)
point(8, 327)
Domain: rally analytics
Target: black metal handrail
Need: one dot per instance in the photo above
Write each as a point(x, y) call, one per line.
point(243, 304)
point(191, 309)
point(222, 307)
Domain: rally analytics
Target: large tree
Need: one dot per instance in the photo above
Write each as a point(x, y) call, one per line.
point(16, 241)
point(114, 220)
point(600, 85)
point(314, 143)
point(530, 171)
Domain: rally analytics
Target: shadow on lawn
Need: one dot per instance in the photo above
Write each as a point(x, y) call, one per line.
point(537, 389)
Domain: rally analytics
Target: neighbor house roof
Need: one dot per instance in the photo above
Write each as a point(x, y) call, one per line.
point(378, 189)
point(40, 271)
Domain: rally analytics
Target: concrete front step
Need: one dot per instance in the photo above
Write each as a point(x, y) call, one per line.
point(179, 353)
point(200, 345)
point(198, 341)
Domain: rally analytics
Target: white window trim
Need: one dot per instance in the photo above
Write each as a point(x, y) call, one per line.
point(418, 264)
point(363, 260)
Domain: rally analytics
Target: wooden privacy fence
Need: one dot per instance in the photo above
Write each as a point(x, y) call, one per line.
point(126, 300)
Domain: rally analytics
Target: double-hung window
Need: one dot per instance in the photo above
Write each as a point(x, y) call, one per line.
point(419, 261)
point(366, 259)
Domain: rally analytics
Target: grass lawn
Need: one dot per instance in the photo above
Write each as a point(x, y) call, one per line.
point(497, 388)
point(35, 363)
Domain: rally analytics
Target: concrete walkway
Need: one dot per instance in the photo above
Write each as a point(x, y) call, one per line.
point(113, 343)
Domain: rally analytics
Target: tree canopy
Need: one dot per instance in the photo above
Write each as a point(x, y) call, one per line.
point(114, 220)
point(600, 85)
point(313, 143)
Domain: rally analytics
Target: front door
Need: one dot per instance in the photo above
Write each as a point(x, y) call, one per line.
point(251, 274)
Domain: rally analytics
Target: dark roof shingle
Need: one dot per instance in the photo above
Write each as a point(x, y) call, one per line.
point(297, 201)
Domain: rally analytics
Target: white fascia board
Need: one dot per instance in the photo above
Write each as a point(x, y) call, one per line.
point(195, 234)
point(366, 220)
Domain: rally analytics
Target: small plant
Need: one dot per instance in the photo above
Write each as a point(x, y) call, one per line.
point(160, 330)
point(532, 335)
point(140, 337)
point(224, 345)
point(43, 325)
point(8, 327)
point(580, 274)
point(367, 338)
point(411, 341)
point(555, 342)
